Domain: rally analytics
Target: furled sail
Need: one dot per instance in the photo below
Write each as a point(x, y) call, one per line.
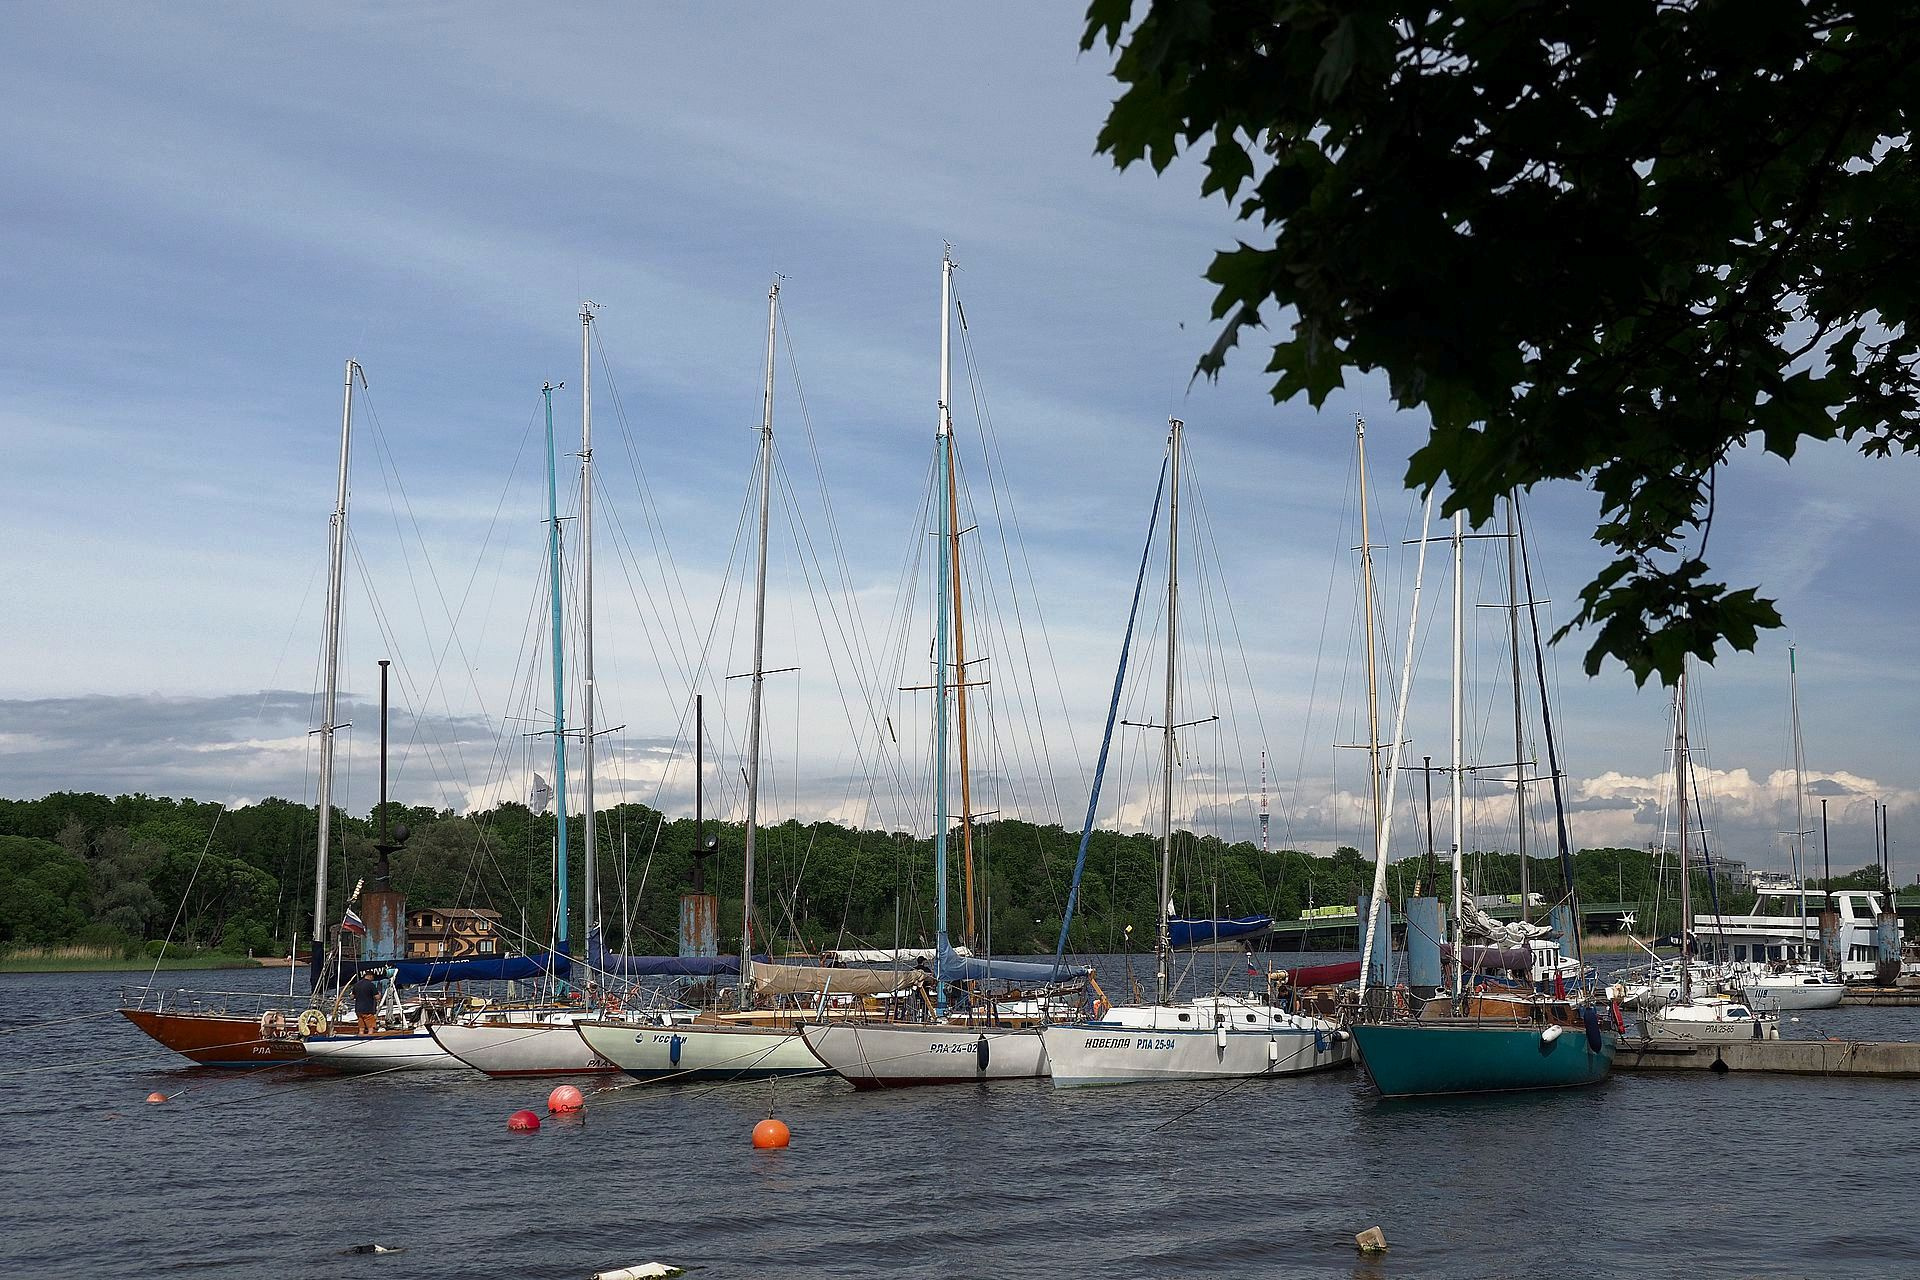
point(875, 956)
point(420, 973)
point(955, 967)
point(601, 960)
point(806, 979)
point(1184, 933)
point(1493, 959)
point(1513, 933)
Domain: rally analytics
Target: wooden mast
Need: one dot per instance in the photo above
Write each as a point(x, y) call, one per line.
point(960, 693)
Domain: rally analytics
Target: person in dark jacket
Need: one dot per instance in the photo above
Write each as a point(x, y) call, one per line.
point(366, 1001)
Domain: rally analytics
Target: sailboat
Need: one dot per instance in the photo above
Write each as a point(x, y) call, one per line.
point(982, 1042)
point(400, 1039)
point(211, 1030)
point(540, 1040)
point(753, 1039)
point(1474, 1041)
point(1697, 1017)
point(1216, 1036)
point(1803, 984)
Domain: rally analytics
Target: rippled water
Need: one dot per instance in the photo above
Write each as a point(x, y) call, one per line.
point(280, 1173)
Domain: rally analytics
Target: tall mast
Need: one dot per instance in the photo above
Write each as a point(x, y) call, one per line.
point(1799, 792)
point(960, 692)
point(1681, 764)
point(759, 657)
point(1163, 944)
point(1519, 729)
point(590, 906)
point(562, 905)
point(1455, 773)
point(1366, 592)
point(1263, 803)
point(1377, 901)
point(336, 565)
point(943, 461)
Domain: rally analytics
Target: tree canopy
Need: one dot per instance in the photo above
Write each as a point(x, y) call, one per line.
point(136, 871)
point(1606, 243)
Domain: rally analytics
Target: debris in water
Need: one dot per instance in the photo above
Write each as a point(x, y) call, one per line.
point(1372, 1240)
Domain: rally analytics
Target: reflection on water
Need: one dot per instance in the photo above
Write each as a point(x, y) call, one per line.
point(281, 1173)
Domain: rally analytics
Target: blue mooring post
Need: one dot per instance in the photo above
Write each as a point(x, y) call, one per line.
point(1382, 967)
point(1426, 926)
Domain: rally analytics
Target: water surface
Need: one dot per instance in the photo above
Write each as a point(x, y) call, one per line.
point(278, 1173)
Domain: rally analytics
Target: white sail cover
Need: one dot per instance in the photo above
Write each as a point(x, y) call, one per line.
point(869, 956)
point(806, 979)
point(1513, 933)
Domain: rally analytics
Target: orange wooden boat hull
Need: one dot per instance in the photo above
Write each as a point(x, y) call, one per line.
point(217, 1039)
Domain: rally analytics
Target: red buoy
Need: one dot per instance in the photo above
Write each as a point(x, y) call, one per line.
point(770, 1134)
point(523, 1122)
point(565, 1100)
point(156, 1096)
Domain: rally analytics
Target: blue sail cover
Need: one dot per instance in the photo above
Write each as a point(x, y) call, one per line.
point(601, 960)
point(419, 973)
point(416, 973)
point(1198, 933)
point(955, 967)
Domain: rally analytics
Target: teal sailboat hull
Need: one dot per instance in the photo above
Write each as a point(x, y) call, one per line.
point(1417, 1059)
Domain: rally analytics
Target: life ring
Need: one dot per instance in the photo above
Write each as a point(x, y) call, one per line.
point(273, 1024)
point(611, 1004)
point(312, 1022)
point(1100, 1009)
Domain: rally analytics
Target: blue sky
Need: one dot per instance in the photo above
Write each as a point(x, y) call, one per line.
point(209, 208)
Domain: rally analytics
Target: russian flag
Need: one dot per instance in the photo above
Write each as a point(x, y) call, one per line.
point(351, 923)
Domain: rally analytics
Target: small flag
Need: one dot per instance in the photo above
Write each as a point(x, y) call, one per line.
point(542, 793)
point(351, 923)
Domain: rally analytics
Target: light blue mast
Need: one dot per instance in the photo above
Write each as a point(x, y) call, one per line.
point(559, 685)
point(943, 595)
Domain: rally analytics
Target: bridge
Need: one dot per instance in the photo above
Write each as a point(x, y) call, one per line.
point(1339, 929)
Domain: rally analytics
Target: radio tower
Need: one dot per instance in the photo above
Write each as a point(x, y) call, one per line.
point(1263, 802)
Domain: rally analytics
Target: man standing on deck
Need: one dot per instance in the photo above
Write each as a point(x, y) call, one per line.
point(366, 1001)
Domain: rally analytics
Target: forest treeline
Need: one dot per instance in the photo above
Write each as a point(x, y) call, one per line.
point(131, 872)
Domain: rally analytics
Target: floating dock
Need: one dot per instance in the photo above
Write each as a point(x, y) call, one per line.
point(1893, 1060)
point(1902, 997)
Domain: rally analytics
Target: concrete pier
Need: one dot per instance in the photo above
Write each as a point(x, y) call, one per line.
point(1899, 1059)
point(1901, 997)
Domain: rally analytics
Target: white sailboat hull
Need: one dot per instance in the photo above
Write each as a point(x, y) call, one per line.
point(505, 1050)
point(1093, 1054)
point(897, 1055)
point(1713, 1020)
point(1792, 994)
point(413, 1050)
point(697, 1052)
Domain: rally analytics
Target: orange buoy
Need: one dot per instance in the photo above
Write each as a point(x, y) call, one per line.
point(770, 1134)
point(523, 1122)
point(565, 1100)
point(156, 1096)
